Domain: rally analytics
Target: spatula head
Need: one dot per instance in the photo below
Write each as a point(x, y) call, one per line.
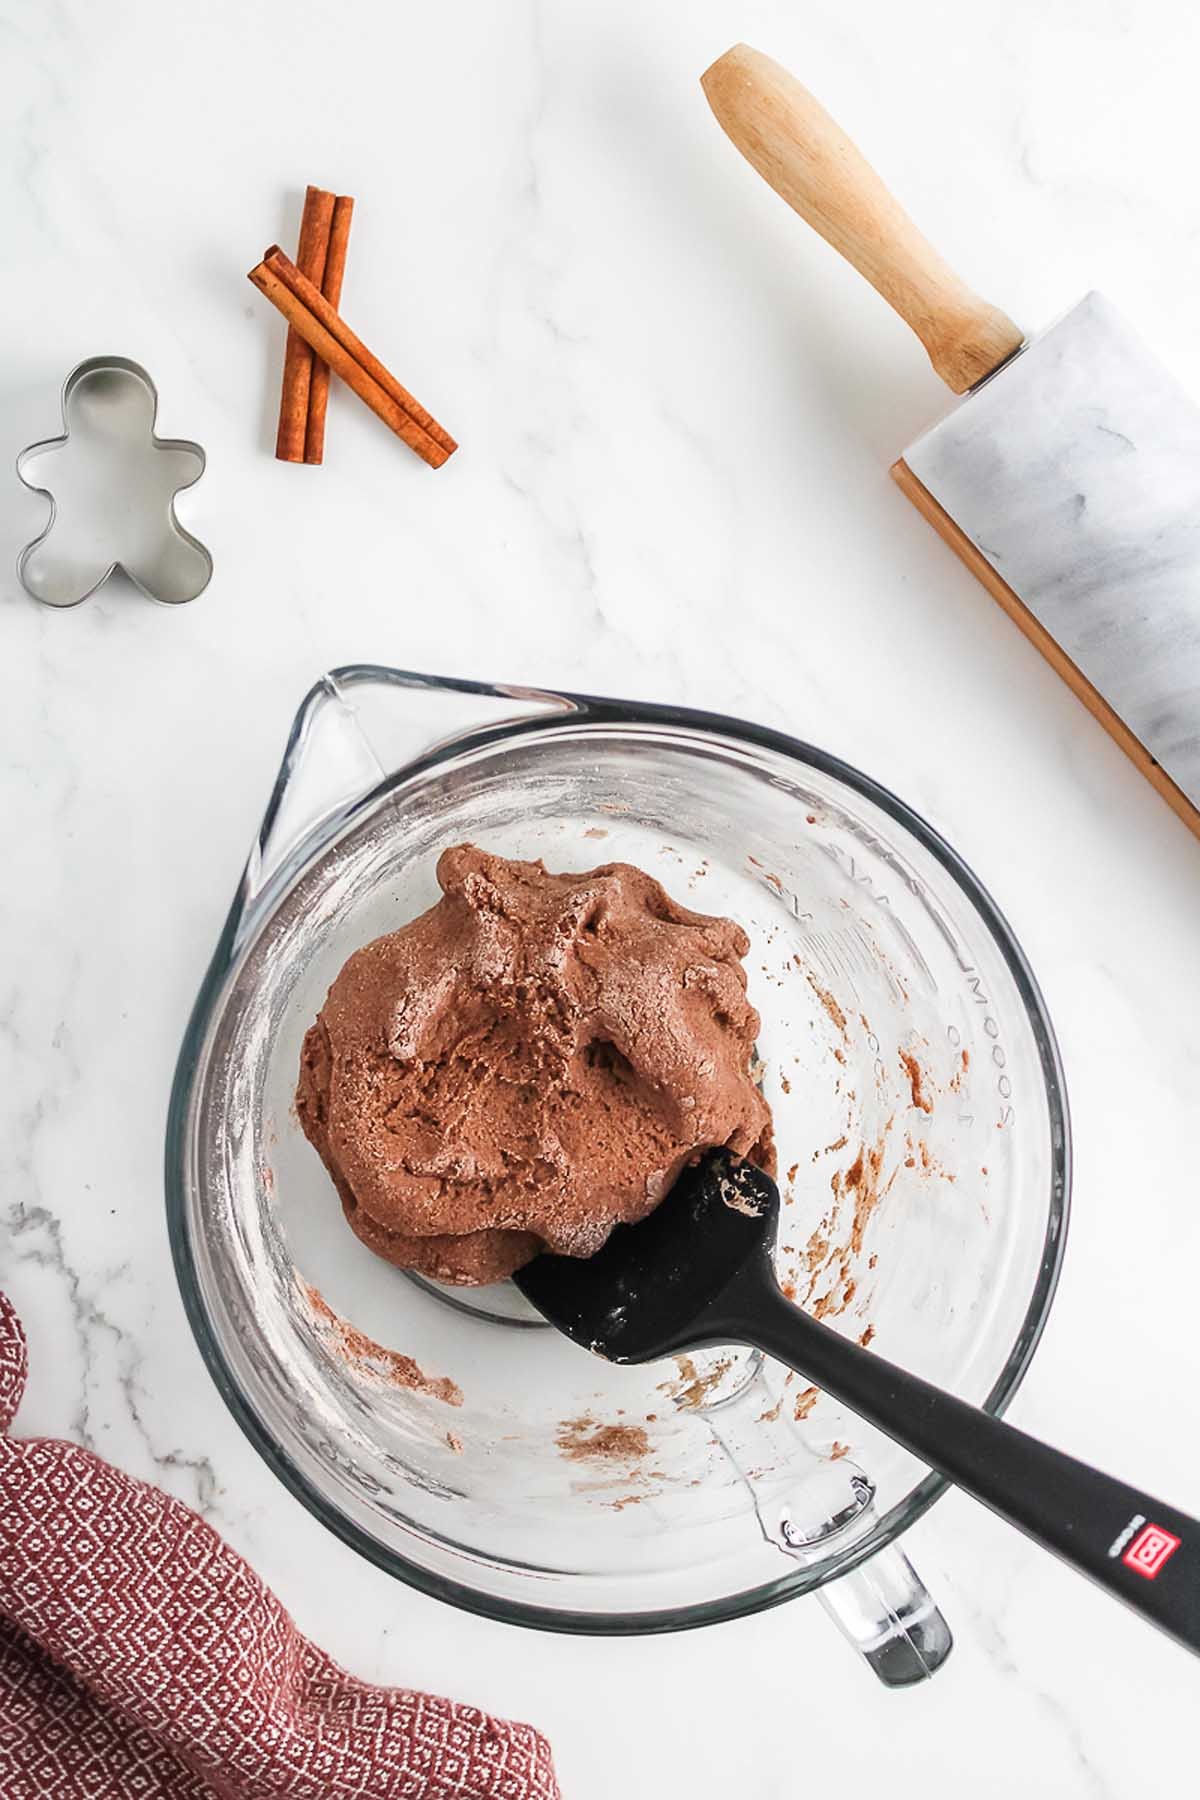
point(656, 1287)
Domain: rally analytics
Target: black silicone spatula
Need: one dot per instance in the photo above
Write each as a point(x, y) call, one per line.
point(698, 1272)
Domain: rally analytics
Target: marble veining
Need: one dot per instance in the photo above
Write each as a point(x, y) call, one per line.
point(1076, 471)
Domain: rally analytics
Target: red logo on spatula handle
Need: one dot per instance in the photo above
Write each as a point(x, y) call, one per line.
point(1150, 1549)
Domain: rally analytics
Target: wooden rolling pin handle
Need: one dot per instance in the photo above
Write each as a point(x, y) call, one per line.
point(810, 162)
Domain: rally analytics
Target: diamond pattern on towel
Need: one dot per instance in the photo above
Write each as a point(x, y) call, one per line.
point(140, 1659)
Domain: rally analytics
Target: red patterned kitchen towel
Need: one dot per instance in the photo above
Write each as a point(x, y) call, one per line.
point(140, 1659)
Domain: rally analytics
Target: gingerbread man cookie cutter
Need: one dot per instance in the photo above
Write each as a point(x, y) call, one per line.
point(111, 484)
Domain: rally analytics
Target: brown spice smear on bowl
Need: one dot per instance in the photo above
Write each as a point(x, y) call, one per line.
point(691, 1388)
point(582, 1440)
point(825, 997)
point(389, 1365)
point(916, 1081)
point(529, 1063)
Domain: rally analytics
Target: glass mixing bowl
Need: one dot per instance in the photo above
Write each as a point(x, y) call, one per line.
point(923, 1149)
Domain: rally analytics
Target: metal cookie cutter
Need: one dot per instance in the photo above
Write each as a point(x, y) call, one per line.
point(111, 485)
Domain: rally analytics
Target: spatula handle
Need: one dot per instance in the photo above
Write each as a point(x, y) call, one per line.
point(1141, 1549)
point(810, 162)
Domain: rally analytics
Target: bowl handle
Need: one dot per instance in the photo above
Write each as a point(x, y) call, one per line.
point(885, 1610)
point(818, 1509)
point(881, 1605)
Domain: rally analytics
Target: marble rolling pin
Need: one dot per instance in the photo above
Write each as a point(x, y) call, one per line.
point(1067, 479)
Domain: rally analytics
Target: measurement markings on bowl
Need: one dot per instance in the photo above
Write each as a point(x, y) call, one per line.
point(997, 1053)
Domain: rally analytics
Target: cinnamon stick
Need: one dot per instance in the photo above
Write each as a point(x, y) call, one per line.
point(279, 280)
point(311, 254)
point(310, 296)
point(331, 288)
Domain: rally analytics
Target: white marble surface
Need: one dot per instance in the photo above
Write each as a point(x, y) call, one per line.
point(676, 412)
